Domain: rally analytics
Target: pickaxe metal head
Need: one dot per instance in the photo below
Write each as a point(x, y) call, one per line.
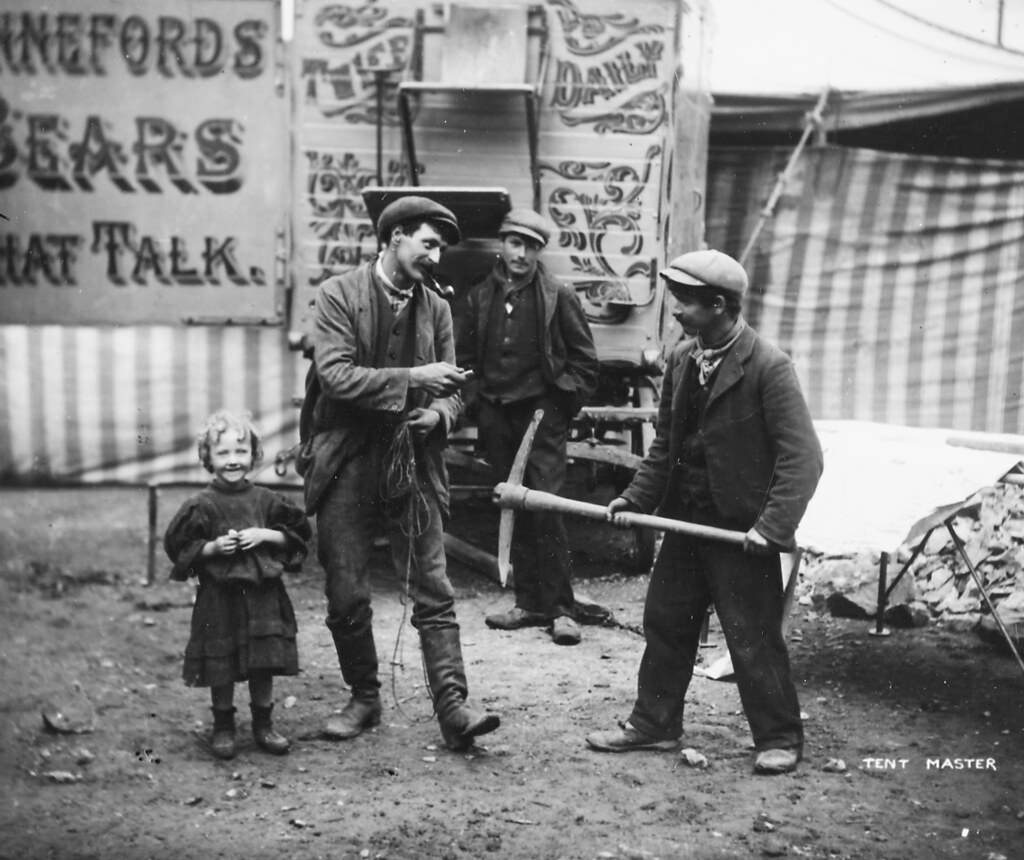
point(508, 515)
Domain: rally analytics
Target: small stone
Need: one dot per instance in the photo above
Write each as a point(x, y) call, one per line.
point(763, 824)
point(59, 721)
point(62, 777)
point(235, 794)
point(267, 783)
point(774, 847)
point(430, 759)
point(82, 756)
point(297, 823)
point(289, 701)
point(193, 801)
point(692, 758)
point(834, 765)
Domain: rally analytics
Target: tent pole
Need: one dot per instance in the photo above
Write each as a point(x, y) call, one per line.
point(812, 121)
point(961, 548)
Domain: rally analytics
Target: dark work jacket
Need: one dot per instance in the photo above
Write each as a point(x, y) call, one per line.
point(568, 357)
point(763, 454)
point(347, 397)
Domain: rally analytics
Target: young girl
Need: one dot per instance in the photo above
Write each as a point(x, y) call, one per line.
point(237, 539)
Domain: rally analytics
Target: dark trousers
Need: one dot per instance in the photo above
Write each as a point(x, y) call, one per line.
point(542, 569)
point(746, 590)
point(347, 521)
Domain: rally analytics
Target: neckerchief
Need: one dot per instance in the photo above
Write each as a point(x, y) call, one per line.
point(708, 358)
point(512, 287)
point(397, 298)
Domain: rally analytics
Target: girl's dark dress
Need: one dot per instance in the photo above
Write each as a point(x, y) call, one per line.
point(242, 619)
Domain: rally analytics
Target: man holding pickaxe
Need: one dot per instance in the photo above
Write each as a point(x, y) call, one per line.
point(735, 449)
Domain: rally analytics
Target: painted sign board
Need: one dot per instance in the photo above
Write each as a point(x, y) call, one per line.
point(621, 140)
point(143, 162)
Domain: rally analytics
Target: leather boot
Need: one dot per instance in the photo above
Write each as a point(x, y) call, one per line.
point(446, 675)
point(357, 657)
point(222, 743)
point(263, 731)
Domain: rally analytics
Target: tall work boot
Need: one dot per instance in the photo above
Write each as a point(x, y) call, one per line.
point(357, 657)
point(460, 724)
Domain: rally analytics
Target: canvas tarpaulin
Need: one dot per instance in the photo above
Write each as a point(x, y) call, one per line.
point(756, 113)
point(893, 280)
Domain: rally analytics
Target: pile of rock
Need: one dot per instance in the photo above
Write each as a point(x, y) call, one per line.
point(938, 586)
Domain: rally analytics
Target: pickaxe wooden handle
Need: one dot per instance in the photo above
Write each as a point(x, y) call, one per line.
point(511, 496)
point(514, 496)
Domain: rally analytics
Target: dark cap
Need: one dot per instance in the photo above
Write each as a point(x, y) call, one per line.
point(526, 222)
point(413, 208)
point(707, 268)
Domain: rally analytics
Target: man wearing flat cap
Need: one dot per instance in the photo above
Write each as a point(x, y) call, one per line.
point(735, 448)
point(381, 397)
point(527, 339)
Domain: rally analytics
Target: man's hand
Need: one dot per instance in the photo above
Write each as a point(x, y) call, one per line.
point(619, 506)
point(757, 544)
point(422, 421)
point(440, 378)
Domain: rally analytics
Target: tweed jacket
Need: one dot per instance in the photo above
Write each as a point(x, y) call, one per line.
point(568, 357)
point(347, 397)
point(763, 454)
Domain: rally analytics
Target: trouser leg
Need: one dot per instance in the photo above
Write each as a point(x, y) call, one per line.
point(748, 596)
point(677, 600)
point(345, 532)
point(540, 551)
point(421, 562)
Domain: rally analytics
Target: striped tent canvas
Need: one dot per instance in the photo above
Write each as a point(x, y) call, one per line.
point(893, 280)
point(124, 404)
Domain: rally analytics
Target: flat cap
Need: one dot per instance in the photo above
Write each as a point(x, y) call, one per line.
point(526, 222)
point(413, 207)
point(707, 268)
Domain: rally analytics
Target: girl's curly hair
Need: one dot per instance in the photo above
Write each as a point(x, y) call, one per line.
point(221, 422)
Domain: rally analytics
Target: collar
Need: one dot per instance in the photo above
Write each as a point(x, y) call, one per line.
point(389, 285)
point(709, 351)
point(230, 489)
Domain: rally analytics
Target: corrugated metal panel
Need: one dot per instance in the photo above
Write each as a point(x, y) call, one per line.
point(894, 281)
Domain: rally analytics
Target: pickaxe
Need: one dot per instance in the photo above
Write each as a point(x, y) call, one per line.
point(511, 496)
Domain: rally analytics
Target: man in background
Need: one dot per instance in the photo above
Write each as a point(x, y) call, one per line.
point(527, 339)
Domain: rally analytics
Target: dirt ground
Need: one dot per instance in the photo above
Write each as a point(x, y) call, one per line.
point(929, 724)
